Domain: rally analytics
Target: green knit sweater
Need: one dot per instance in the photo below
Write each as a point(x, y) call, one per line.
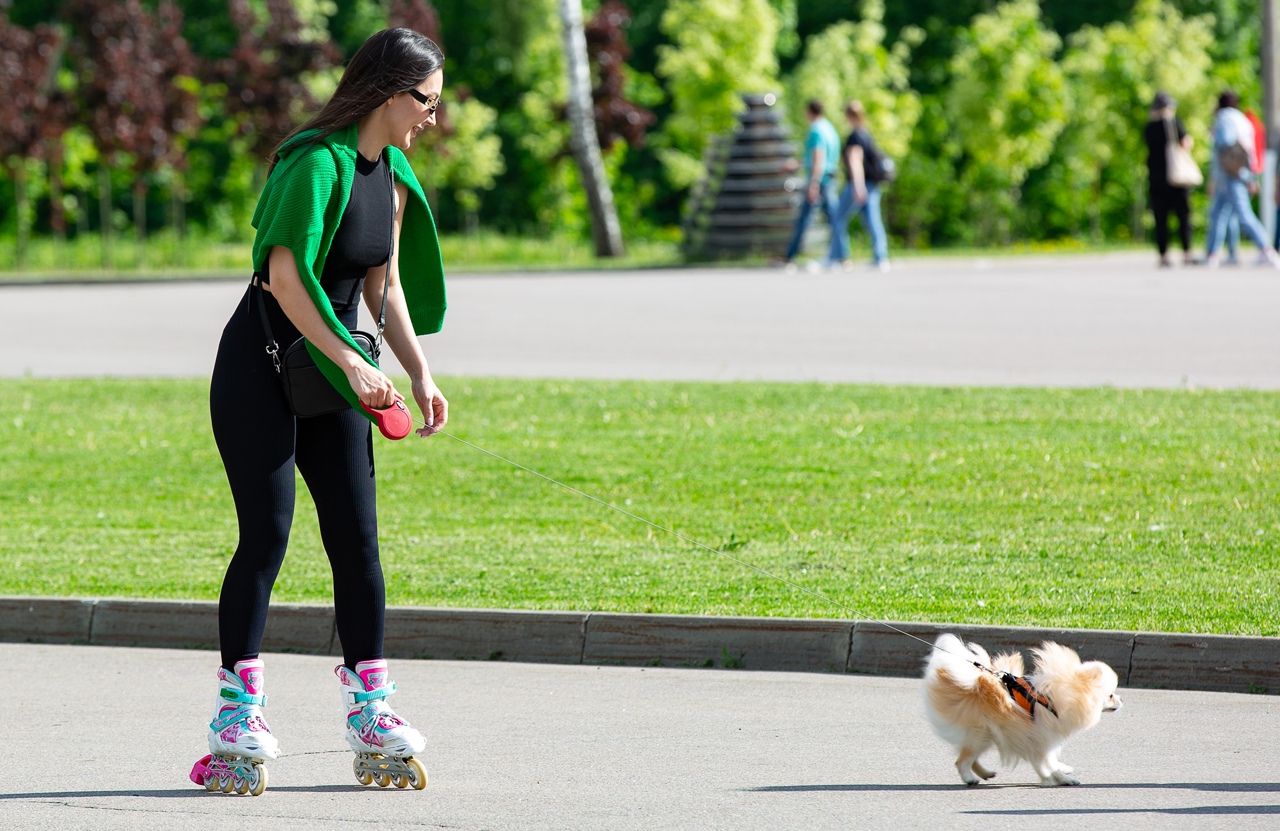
point(300, 209)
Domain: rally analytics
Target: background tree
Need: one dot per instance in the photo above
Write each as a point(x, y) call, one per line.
point(463, 153)
point(719, 49)
point(605, 230)
point(616, 117)
point(121, 93)
point(850, 60)
point(267, 72)
point(1008, 101)
point(29, 112)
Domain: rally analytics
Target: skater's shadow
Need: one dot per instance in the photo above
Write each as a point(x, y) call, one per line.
point(180, 793)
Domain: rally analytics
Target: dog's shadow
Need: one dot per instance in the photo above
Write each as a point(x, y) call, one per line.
point(1196, 810)
point(1208, 787)
point(173, 793)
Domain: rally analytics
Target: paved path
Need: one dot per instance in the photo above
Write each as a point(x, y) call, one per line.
point(103, 738)
point(1080, 320)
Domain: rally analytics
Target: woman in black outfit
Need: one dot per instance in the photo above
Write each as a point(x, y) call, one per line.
point(1165, 198)
point(388, 94)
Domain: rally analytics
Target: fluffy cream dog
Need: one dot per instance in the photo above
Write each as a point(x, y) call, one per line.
point(975, 708)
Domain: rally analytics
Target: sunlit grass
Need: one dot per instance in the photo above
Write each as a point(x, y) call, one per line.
point(1083, 508)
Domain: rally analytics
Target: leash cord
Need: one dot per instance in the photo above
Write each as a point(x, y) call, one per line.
point(856, 613)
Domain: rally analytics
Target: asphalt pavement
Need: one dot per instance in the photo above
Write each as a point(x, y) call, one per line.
point(1082, 320)
point(103, 738)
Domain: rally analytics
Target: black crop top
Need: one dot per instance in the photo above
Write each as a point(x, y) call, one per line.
point(363, 237)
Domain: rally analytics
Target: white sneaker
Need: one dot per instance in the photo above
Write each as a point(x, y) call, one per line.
point(1211, 261)
point(1267, 259)
point(883, 265)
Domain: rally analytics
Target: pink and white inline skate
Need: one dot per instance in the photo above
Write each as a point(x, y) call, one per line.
point(239, 739)
point(384, 743)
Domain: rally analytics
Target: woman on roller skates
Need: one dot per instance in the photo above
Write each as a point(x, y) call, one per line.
point(329, 231)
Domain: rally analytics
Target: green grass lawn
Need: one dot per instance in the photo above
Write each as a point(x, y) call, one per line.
point(1082, 508)
point(166, 256)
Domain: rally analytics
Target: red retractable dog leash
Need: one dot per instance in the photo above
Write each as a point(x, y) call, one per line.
point(394, 422)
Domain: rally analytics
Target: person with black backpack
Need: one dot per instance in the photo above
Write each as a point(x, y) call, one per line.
point(866, 168)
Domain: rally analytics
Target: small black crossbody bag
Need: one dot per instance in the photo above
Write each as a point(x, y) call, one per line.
point(307, 390)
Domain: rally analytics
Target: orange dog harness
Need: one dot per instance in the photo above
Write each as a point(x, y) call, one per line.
point(1021, 691)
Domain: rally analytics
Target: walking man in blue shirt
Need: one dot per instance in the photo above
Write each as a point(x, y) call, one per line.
point(821, 156)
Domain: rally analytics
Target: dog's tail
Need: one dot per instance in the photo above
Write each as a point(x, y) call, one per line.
point(959, 691)
point(957, 658)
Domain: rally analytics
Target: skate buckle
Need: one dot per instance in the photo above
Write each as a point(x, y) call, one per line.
point(241, 697)
point(354, 698)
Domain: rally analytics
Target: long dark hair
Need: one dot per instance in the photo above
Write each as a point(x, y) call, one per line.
point(389, 62)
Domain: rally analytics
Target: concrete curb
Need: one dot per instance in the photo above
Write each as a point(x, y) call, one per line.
point(1219, 663)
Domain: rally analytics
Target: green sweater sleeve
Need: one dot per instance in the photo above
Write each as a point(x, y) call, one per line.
point(421, 266)
point(300, 209)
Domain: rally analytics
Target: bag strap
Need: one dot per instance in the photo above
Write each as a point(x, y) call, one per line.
point(391, 244)
point(273, 347)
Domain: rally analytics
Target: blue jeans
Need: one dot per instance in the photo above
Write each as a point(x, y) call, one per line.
point(827, 199)
point(869, 214)
point(1232, 198)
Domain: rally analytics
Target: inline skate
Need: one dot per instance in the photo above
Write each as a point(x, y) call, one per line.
point(383, 742)
point(239, 739)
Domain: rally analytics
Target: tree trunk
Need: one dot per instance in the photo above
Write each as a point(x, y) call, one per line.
point(605, 228)
point(104, 212)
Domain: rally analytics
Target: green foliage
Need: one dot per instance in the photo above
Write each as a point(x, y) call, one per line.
point(467, 160)
point(1008, 101)
point(1000, 134)
point(720, 49)
point(848, 61)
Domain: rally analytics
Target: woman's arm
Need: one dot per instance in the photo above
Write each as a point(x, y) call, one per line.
point(370, 384)
point(857, 176)
point(399, 329)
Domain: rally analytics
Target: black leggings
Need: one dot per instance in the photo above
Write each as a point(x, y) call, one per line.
point(260, 441)
point(1163, 201)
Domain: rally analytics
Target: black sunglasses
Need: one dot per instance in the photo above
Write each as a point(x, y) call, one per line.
point(431, 101)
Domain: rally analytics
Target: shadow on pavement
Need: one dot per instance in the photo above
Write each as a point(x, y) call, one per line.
point(1205, 810)
point(1215, 787)
point(187, 793)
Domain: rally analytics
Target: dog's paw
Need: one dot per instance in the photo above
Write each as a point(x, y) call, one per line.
point(983, 772)
point(1059, 778)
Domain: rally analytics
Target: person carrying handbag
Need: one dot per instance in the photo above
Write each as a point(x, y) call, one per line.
point(1171, 174)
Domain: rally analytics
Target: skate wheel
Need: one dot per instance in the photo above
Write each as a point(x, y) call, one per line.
point(226, 784)
point(417, 774)
point(242, 786)
point(211, 783)
point(257, 782)
point(399, 781)
point(364, 777)
point(382, 779)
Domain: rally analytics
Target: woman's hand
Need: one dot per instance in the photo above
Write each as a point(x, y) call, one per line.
point(372, 386)
point(435, 409)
